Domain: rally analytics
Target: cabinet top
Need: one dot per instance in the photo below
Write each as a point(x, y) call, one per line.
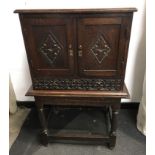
point(101, 10)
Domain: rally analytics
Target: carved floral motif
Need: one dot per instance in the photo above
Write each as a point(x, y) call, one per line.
point(100, 49)
point(51, 48)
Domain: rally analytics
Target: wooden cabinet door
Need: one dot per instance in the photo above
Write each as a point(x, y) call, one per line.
point(100, 44)
point(49, 44)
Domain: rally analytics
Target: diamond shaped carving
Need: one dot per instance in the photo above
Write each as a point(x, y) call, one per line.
point(100, 49)
point(51, 48)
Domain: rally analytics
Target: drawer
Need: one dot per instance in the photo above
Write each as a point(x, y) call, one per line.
point(78, 84)
point(100, 102)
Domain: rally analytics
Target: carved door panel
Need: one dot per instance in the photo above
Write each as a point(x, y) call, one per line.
point(49, 45)
point(99, 42)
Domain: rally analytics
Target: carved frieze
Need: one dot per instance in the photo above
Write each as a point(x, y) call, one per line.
point(78, 84)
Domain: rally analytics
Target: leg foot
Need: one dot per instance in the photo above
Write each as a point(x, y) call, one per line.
point(111, 147)
point(112, 142)
point(44, 138)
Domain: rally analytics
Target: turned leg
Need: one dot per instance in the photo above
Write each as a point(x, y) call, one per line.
point(114, 112)
point(43, 122)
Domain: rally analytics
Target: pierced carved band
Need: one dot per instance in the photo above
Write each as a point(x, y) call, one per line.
point(78, 84)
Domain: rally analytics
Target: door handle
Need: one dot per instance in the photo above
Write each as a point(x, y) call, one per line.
point(80, 51)
point(70, 50)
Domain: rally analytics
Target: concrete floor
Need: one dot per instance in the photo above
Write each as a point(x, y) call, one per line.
point(129, 140)
point(16, 121)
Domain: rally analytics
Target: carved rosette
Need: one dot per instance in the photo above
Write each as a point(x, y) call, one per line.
point(78, 84)
point(50, 48)
point(100, 49)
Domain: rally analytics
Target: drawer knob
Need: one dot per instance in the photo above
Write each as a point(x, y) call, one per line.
point(80, 51)
point(70, 50)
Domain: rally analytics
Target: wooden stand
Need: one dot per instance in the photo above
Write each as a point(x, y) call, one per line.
point(104, 99)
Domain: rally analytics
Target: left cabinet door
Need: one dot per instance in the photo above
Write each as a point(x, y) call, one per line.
point(49, 44)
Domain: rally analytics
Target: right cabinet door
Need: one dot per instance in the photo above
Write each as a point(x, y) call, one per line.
point(101, 45)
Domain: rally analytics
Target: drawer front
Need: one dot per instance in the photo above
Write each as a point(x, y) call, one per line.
point(101, 45)
point(94, 102)
point(78, 84)
point(49, 44)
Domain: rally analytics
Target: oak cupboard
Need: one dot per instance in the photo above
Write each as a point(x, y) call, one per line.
point(77, 58)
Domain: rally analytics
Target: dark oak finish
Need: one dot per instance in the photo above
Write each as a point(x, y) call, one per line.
point(91, 11)
point(77, 57)
point(43, 122)
point(85, 49)
point(77, 93)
